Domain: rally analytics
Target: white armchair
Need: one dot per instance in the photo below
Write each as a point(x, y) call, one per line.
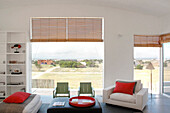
point(135, 101)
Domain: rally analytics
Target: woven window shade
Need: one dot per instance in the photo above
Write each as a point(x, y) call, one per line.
point(85, 30)
point(147, 41)
point(165, 38)
point(48, 30)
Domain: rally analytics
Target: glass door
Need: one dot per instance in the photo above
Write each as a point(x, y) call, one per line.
point(143, 58)
point(166, 68)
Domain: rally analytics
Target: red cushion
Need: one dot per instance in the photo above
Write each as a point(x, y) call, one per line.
point(18, 97)
point(126, 88)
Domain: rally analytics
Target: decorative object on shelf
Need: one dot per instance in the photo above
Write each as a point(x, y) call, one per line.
point(82, 101)
point(16, 46)
point(150, 67)
point(2, 72)
point(21, 62)
point(16, 62)
point(2, 83)
point(13, 62)
point(16, 71)
point(2, 93)
point(15, 83)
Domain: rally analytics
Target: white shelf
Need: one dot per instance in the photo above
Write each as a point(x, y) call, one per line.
point(16, 43)
point(15, 53)
point(15, 75)
point(15, 85)
point(2, 85)
point(2, 75)
point(16, 64)
point(7, 40)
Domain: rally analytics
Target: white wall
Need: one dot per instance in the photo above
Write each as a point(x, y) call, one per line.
point(118, 50)
point(165, 24)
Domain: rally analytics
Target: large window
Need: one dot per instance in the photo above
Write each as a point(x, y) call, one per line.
point(69, 49)
point(144, 56)
point(71, 62)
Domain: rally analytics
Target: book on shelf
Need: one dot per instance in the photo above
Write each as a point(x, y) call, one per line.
point(2, 72)
point(13, 73)
point(15, 83)
point(16, 62)
point(59, 104)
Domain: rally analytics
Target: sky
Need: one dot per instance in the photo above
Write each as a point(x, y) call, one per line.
point(68, 50)
point(167, 50)
point(88, 50)
point(151, 52)
point(146, 52)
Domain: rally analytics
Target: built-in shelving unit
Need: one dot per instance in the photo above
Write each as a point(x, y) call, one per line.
point(12, 63)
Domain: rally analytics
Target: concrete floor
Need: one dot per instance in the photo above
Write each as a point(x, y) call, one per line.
point(156, 104)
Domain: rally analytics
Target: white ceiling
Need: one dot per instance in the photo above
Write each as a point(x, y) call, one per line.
point(151, 7)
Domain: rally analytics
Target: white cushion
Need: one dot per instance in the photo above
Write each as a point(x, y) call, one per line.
point(123, 97)
point(138, 85)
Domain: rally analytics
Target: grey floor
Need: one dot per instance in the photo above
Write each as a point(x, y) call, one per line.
point(167, 94)
point(156, 104)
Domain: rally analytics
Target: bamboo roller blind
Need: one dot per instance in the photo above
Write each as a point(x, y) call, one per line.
point(165, 38)
point(151, 40)
point(48, 30)
point(147, 41)
point(66, 29)
point(85, 29)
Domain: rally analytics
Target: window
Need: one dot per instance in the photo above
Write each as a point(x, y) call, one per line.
point(70, 62)
point(166, 69)
point(143, 56)
point(150, 41)
point(66, 50)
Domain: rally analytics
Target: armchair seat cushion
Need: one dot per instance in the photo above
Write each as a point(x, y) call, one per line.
point(123, 97)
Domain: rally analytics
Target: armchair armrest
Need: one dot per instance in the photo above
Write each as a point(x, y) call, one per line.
point(93, 92)
point(68, 92)
point(54, 92)
point(68, 89)
point(79, 91)
point(142, 98)
point(107, 92)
